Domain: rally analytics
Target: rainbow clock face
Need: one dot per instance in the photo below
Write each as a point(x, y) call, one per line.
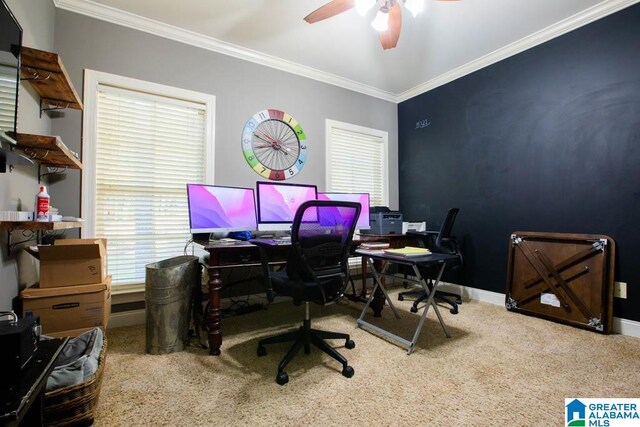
point(273, 143)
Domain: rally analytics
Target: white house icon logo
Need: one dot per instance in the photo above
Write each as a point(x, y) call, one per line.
point(575, 413)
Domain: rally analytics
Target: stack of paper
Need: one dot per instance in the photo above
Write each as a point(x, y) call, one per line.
point(408, 251)
point(370, 251)
point(374, 245)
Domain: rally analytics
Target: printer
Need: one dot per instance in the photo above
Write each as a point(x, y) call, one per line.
point(384, 221)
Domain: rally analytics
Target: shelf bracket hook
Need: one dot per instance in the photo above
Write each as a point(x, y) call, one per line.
point(57, 106)
point(35, 75)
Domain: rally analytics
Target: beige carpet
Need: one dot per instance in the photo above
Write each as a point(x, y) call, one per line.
point(499, 368)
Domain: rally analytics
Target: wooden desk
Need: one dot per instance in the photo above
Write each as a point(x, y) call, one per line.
point(244, 254)
point(21, 399)
point(223, 256)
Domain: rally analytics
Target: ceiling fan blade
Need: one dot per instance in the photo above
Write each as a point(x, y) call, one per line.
point(330, 9)
point(389, 39)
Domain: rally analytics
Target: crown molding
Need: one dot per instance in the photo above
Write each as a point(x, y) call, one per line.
point(136, 22)
point(578, 20)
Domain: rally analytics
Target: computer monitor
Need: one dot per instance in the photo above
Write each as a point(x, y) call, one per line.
point(278, 203)
point(215, 208)
point(362, 198)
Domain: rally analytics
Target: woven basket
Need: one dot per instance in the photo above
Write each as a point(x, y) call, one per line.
point(75, 404)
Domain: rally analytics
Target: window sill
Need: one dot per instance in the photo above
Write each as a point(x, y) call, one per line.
point(127, 293)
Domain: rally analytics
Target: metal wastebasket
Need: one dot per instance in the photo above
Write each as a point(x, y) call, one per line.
point(168, 289)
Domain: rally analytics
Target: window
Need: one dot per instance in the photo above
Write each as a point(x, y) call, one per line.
point(357, 161)
point(7, 97)
point(142, 143)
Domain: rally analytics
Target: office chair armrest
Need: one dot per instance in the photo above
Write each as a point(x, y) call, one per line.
point(426, 238)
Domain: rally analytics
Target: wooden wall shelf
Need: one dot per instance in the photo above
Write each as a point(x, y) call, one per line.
point(46, 73)
point(39, 226)
point(47, 150)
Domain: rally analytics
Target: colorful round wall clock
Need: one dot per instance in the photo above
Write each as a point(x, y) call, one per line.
point(273, 143)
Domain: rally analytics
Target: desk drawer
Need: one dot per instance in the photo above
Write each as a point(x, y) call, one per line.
point(245, 256)
point(236, 256)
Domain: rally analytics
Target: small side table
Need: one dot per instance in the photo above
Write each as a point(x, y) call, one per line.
point(21, 398)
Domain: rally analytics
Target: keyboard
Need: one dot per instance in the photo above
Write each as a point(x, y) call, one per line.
point(225, 240)
point(272, 242)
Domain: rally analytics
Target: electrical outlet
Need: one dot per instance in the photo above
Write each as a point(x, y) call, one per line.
point(620, 290)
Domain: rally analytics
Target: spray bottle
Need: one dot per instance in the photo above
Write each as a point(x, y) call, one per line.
point(42, 204)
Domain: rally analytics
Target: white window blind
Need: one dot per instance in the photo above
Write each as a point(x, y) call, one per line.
point(357, 161)
point(147, 148)
point(7, 97)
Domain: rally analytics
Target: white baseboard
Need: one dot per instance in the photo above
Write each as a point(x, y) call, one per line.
point(137, 317)
point(126, 318)
point(619, 326)
point(626, 327)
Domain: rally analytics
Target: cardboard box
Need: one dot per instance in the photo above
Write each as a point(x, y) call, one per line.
point(69, 308)
point(73, 262)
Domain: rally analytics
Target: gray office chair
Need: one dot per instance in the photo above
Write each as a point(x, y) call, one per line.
point(439, 242)
point(316, 271)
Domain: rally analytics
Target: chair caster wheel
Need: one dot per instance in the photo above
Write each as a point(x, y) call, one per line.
point(454, 310)
point(400, 298)
point(414, 309)
point(348, 371)
point(282, 378)
point(350, 344)
point(261, 351)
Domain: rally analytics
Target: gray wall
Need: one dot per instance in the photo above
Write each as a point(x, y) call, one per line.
point(18, 188)
point(241, 89)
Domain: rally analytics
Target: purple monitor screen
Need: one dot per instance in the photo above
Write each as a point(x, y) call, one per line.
point(214, 208)
point(362, 198)
point(278, 203)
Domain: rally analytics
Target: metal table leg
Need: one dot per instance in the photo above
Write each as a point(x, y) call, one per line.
point(430, 303)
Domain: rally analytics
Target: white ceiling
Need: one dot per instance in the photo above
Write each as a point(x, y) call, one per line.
point(448, 40)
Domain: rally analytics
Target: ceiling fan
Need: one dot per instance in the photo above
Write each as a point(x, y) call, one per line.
point(387, 22)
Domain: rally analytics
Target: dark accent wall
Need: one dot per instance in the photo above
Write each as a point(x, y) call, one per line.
point(547, 140)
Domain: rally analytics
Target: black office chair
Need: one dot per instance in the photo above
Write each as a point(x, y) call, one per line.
point(316, 271)
point(438, 242)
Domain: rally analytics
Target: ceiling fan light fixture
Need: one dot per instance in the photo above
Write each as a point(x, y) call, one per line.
point(414, 6)
point(363, 6)
point(381, 21)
